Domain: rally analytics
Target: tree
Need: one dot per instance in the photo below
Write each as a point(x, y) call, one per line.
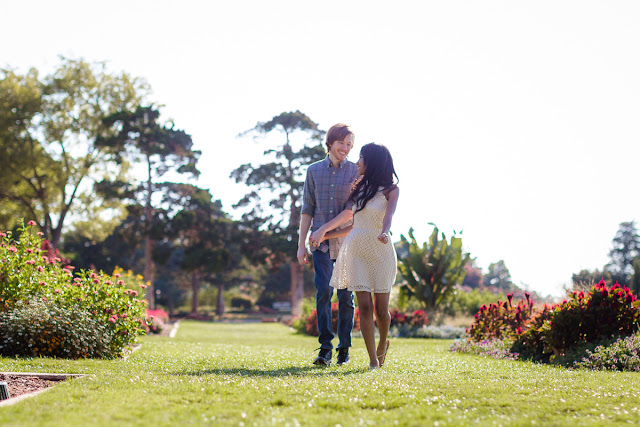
point(201, 229)
point(48, 133)
point(473, 277)
point(138, 137)
point(498, 277)
point(585, 279)
point(275, 199)
point(431, 271)
point(626, 247)
point(635, 277)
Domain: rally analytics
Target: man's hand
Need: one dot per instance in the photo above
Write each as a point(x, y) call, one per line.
point(303, 256)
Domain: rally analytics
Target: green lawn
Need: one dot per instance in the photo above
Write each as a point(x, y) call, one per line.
point(261, 374)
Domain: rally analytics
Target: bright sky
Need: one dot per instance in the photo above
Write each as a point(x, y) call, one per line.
point(516, 122)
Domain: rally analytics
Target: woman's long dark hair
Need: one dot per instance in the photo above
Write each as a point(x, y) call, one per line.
point(379, 172)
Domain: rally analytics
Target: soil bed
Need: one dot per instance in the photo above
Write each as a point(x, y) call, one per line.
point(19, 385)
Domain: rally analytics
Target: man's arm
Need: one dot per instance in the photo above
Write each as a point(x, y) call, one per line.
point(305, 225)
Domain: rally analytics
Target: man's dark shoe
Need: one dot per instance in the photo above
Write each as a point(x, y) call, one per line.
point(324, 357)
point(343, 356)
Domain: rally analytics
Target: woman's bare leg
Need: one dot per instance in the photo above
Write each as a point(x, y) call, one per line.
point(381, 302)
point(367, 327)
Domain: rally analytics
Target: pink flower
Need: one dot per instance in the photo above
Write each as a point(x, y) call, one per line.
point(134, 293)
point(113, 319)
point(96, 280)
point(40, 269)
point(143, 286)
point(117, 275)
point(45, 299)
point(77, 279)
point(41, 283)
point(29, 251)
point(40, 233)
point(12, 249)
point(32, 223)
point(109, 282)
point(56, 291)
point(3, 234)
point(93, 275)
point(95, 292)
point(30, 262)
point(120, 282)
point(144, 301)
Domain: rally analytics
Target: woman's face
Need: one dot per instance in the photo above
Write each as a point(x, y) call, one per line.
point(361, 166)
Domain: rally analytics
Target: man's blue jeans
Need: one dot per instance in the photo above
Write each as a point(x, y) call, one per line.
point(323, 266)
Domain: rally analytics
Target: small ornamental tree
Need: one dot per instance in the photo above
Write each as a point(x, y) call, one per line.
point(431, 271)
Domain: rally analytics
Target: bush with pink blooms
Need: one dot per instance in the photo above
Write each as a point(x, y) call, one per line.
point(28, 273)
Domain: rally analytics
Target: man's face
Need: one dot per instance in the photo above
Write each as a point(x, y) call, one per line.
point(340, 149)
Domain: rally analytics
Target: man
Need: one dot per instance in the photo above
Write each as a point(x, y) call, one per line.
point(326, 192)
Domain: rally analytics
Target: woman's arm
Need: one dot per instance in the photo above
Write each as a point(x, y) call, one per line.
point(338, 233)
point(392, 198)
point(318, 236)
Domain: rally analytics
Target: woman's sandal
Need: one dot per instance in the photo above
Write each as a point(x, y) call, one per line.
point(382, 356)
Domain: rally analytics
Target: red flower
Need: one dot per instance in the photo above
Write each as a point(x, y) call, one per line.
point(30, 262)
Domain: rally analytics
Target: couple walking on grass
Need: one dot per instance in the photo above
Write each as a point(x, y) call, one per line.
point(348, 208)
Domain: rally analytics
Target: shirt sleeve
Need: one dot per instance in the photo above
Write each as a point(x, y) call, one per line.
point(309, 195)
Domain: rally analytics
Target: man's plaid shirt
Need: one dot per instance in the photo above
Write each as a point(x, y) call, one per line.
point(326, 193)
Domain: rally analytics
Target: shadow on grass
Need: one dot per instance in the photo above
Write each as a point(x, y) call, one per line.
point(292, 371)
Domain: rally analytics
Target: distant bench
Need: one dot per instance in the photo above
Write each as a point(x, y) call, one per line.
point(282, 306)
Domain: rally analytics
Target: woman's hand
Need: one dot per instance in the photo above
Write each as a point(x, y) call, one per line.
point(316, 238)
point(384, 238)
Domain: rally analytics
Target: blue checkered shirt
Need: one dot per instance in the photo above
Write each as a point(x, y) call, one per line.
point(326, 193)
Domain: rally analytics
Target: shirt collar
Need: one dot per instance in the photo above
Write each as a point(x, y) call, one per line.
point(330, 165)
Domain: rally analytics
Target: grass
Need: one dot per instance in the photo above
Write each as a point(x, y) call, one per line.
point(261, 374)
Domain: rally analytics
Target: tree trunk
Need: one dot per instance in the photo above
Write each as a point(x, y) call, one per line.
point(220, 307)
point(297, 287)
point(148, 262)
point(194, 289)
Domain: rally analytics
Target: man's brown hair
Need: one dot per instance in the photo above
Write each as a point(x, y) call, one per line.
point(338, 132)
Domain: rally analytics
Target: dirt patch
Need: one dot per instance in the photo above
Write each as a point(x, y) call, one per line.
point(19, 385)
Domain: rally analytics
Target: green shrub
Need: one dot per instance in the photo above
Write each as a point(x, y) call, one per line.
point(29, 273)
point(36, 328)
point(501, 319)
point(243, 302)
point(469, 303)
point(603, 313)
point(622, 355)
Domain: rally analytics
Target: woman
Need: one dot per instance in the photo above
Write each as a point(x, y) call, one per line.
point(367, 260)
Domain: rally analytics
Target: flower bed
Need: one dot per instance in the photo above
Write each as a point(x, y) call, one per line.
point(36, 284)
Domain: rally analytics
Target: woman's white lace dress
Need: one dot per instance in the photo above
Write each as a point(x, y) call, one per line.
point(364, 263)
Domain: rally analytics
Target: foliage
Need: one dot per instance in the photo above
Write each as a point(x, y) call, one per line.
point(602, 313)
point(431, 271)
point(468, 303)
point(501, 319)
point(49, 128)
point(531, 343)
point(498, 277)
point(274, 203)
point(136, 137)
point(585, 279)
point(311, 321)
point(35, 328)
point(416, 319)
point(243, 302)
point(622, 355)
point(474, 277)
point(626, 247)
point(27, 274)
